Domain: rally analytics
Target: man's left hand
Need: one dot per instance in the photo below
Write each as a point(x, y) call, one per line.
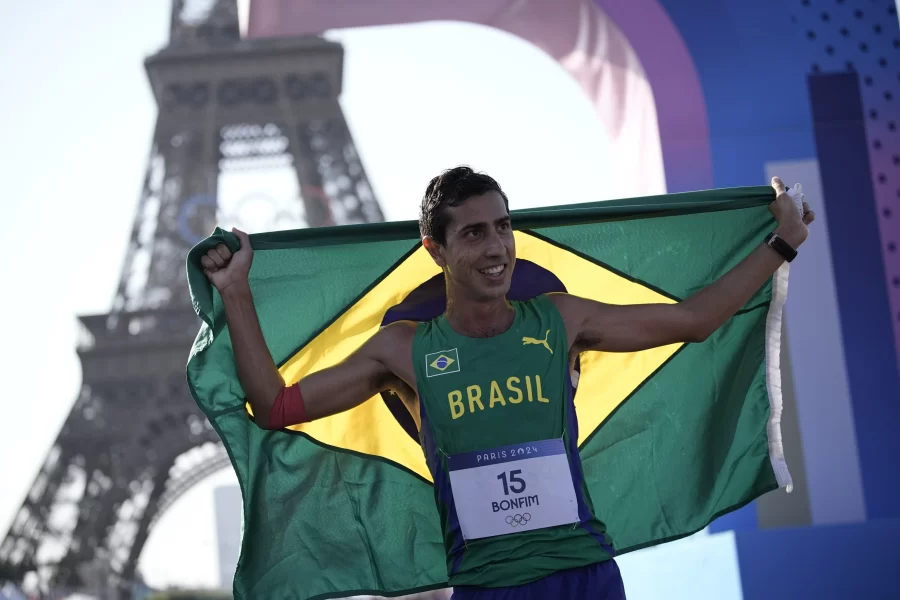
point(793, 227)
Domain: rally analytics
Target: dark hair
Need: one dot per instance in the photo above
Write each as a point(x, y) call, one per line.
point(452, 188)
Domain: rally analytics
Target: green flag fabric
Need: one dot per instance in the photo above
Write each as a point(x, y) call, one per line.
point(670, 438)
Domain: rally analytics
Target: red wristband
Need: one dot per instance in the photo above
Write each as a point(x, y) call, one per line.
point(288, 408)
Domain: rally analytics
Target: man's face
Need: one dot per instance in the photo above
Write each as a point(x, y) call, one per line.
point(480, 250)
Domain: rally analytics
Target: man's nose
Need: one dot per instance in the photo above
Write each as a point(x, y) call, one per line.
point(494, 247)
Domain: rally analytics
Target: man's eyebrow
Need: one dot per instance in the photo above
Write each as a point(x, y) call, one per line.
point(476, 225)
point(482, 224)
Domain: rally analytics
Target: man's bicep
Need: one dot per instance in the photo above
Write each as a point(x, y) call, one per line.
point(349, 383)
point(624, 328)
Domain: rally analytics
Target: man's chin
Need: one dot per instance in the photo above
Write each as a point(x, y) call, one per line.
point(494, 292)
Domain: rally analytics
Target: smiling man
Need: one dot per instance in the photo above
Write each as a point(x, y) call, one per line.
point(516, 515)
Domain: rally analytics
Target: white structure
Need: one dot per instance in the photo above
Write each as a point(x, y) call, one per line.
point(229, 529)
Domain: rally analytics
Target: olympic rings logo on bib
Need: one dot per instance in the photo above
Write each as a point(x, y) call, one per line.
point(516, 520)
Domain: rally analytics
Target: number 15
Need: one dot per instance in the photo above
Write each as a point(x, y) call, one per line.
point(515, 484)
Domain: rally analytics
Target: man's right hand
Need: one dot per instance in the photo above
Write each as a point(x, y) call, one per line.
point(224, 269)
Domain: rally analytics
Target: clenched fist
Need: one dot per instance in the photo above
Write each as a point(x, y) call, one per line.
point(793, 224)
point(224, 269)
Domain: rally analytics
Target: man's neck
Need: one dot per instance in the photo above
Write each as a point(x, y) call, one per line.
point(479, 319)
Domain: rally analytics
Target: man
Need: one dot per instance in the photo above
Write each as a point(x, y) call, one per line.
point(516, 352)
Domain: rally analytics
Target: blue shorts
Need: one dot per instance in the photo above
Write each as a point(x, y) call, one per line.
point(600, 581)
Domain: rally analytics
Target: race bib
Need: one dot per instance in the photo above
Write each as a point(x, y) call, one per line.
point(511, 489)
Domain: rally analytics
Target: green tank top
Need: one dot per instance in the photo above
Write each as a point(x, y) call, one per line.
point(484, 401)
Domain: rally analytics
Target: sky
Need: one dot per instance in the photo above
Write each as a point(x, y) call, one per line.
point(78, 115)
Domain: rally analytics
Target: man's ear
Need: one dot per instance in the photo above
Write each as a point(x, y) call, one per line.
point(435, 250)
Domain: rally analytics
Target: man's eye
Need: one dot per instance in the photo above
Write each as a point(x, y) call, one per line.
point(505, 227)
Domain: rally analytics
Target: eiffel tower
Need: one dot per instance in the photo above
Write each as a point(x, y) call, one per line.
point(135, 440)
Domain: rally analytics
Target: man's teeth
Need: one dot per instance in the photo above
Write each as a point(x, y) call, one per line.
point(493, 270)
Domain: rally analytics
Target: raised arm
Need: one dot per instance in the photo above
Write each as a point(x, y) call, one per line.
point(612, 328)
point(327, 392)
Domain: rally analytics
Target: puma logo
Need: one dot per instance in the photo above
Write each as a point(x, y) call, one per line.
point(543, 342)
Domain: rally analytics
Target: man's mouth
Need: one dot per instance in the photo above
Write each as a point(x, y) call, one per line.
point(494, 271)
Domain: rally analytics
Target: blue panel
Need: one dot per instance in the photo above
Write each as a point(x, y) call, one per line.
point(743, 519)
point(752, 70)
point(825, 563)
point(859, 273)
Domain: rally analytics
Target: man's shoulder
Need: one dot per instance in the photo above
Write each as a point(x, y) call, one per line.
point(564, 300)
point(557, 300)
point(399, 329)
point(396, 335)
point(569, 307)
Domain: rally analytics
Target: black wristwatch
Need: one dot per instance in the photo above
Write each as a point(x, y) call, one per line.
point(781, 247)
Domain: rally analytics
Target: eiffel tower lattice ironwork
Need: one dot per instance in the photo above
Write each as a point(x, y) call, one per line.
point(135, 440)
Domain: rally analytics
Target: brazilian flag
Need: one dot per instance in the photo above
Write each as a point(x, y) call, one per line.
point(670, 438)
